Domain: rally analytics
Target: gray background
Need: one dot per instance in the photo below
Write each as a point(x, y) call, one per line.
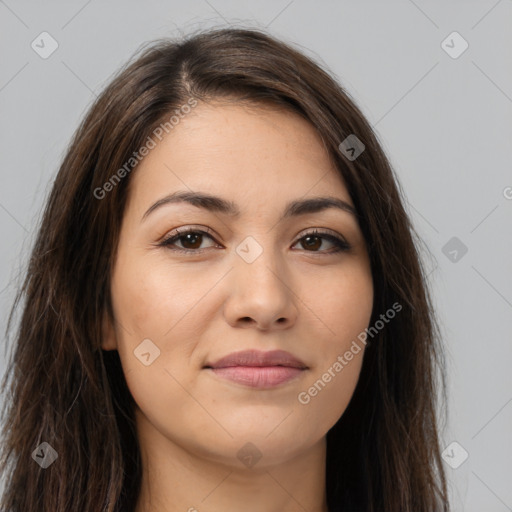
point(445, 123)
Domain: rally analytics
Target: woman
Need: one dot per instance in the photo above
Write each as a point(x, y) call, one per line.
point(225, 305)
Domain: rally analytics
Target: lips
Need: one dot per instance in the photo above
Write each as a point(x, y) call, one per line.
point(258, 369)
point(256, 358)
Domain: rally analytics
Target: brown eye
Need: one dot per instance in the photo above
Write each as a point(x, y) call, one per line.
point(311, 242)
point(190, 240)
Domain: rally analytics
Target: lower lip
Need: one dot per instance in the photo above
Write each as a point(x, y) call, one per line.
point(258, 376)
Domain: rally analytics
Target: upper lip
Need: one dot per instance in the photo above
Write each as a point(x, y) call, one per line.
point(258, 358)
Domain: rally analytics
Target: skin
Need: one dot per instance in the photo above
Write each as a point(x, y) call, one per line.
point(199, 307)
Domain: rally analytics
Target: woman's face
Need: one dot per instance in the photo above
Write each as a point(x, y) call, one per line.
point(256, 281)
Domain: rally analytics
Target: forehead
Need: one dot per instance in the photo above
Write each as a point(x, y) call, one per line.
point(239, 150)
point(247, 130)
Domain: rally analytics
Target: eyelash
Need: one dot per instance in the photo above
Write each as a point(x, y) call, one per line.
point(340, 244)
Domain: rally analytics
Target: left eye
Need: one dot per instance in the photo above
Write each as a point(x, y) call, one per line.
point(191, 240)
point(312, 240)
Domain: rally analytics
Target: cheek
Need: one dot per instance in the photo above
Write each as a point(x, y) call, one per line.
point(160, 304)
point(326, 394)
point(345, 308)
point(335, 389)
point(344, 304)
point(151, 299)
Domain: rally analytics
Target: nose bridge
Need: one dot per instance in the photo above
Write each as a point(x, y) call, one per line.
point(261, 290)
point(259, 262)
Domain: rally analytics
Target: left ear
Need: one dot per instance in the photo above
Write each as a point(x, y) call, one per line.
point(108, 333)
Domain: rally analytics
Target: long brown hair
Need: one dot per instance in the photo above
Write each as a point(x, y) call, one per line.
point(382, 454)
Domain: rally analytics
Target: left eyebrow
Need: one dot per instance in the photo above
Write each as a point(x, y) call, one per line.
point(218, 204)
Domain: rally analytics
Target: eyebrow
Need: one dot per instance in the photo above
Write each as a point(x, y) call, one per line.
point(219, 205)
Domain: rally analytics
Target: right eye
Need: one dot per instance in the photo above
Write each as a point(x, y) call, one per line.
point(191, 239)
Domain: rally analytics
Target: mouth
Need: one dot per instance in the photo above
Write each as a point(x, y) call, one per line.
point(258, 376)
point(258, 369)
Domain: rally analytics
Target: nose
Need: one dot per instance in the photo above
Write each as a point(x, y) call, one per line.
point(261, 294)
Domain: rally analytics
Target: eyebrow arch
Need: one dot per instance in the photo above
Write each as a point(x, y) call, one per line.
point(217, 204)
